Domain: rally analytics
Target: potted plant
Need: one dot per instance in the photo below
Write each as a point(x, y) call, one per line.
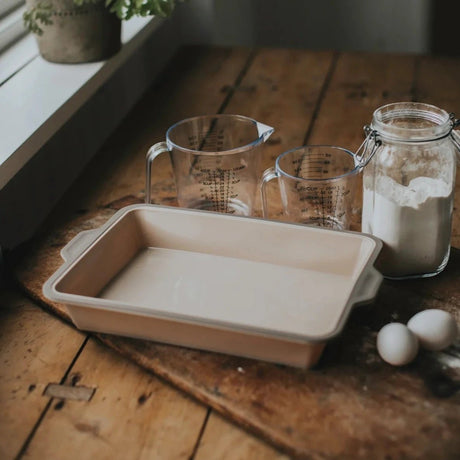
point(73, 31)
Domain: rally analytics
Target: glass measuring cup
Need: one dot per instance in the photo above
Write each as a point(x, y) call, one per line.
point(317, 185)
point(215, 160)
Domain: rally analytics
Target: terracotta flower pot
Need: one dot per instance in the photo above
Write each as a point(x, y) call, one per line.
point(78, 33)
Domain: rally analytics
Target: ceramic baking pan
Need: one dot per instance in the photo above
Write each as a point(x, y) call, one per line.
point(244, 286)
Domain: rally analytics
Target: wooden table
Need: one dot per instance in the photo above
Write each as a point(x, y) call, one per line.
point(107, 406)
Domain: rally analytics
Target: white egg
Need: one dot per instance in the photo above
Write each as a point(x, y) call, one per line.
point(435, 329)
point(396, 344)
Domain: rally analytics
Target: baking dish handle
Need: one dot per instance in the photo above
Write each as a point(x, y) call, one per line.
point(79, 242)
point(368, 288)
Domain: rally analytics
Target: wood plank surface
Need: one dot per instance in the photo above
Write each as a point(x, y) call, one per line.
point(131, 415)
point(282, 88)
point(360, 83)
point(35, 349)
point(352, 405)
point(226, 441)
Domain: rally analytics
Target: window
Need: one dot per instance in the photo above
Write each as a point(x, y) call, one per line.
point(11, 25)
point(42, 107)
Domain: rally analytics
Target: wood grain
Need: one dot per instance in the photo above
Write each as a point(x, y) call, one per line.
point(35, 349)
point(282, 88)
point(341, 399)
point(353, 406)
point(360, 83)
point(232, 443)
point(131, 415)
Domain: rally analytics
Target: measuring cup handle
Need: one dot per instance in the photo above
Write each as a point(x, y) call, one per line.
point(267, 176)
point(154, 151)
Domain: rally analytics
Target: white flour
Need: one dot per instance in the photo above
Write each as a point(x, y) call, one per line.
point(414, 222)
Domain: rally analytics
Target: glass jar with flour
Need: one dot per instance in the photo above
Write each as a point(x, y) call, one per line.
point(409, 161)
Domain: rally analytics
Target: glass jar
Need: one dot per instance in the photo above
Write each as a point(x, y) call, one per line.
point(409, 161)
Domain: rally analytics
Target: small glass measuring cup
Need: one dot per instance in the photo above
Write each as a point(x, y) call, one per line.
point(317, 185)
point(215, 159)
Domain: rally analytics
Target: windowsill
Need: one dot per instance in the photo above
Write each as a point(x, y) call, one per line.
point(41, 96)
point(55, 117)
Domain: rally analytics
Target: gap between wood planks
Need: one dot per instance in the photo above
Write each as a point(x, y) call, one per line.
point(238, 80)
point(60, 391)
point(200, 435)
point(321, 95)
point(48, 405)
point(414, 90)
point(223, 106)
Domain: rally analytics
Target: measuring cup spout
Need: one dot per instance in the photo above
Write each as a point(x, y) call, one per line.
point(264, 131)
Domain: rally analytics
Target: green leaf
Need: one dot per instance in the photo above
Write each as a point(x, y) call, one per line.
point(124, 9)
point(38, 16)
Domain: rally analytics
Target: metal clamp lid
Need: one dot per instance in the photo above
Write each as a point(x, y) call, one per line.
point(362, 155)
point(453, 134)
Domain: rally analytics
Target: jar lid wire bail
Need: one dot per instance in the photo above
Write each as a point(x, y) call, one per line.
point(454, 135)
point(363, 155)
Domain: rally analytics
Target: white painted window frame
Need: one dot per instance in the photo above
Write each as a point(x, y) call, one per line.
point(11, 22)
point(40, 96)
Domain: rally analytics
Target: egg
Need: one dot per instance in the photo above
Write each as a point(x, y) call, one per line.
point(435, 329)
point(396, 344)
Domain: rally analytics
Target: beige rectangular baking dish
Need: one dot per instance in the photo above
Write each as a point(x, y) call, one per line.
point(251, 287)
